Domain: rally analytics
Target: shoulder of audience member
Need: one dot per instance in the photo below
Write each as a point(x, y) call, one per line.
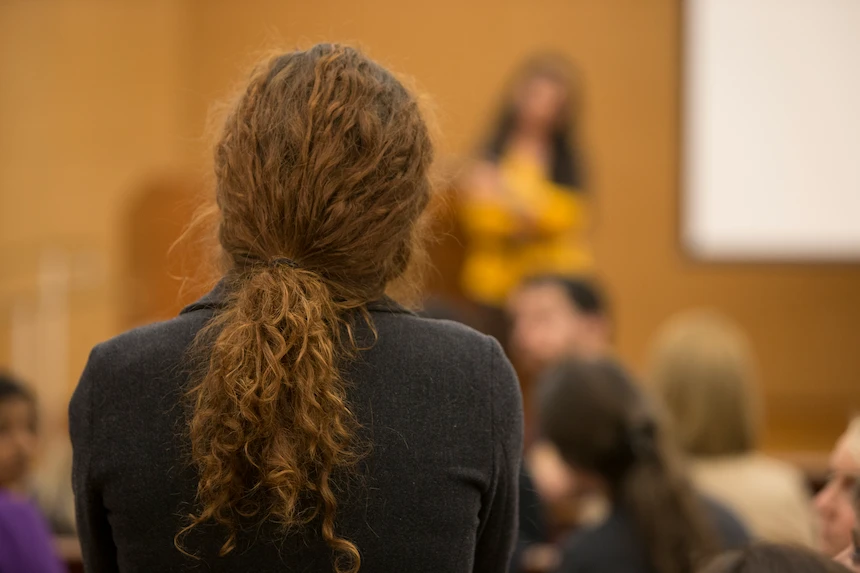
point(782, 475)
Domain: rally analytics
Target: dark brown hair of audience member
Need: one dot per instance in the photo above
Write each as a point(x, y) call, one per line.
point(321, 176)
point(601, 423)
point(773, 558)
point(12, 389)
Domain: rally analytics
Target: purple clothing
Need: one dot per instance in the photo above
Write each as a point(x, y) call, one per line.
point(25, 541)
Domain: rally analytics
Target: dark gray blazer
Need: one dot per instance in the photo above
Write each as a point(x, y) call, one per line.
point(439, 403)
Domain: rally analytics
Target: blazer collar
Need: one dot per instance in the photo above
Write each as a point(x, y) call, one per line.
point(212, 300)
point(215, 300)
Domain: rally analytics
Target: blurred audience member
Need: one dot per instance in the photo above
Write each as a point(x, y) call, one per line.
point(554, 316)
point(25, 540)
point(702, 367)
point(551, 317)
point(18, 429)
point(772, 558)
point(523, 209)
point(609, 436)
point(833, 504)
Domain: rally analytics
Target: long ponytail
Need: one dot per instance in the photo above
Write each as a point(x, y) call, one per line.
point(321, 177)
point(602, 424)
point(666, 514)
point(272, 404)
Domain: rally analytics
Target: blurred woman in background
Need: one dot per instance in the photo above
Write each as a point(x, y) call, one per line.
point(611, 439)
point(296, 418)
point(702, 368)
point(553, 317)
point(25, 539)
point(837, 516)
point(523, 207)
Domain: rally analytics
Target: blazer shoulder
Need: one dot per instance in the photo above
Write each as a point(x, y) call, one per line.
point(442, 345)
point(454, 336)
point(156, 343)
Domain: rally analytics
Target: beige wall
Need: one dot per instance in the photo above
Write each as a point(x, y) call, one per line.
point(99, 97)
point(89, 106)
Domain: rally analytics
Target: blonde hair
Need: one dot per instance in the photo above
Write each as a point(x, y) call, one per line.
point(702, 368)
point(851, 438)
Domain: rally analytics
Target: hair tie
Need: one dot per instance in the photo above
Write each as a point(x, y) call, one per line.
point(642, 440)
point(284, 261)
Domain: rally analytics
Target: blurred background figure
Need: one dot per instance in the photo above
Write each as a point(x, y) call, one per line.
point(25, 539)
point(553, 316)
point(773, 558)
point(837, 517)
point(610, 437)
point(18, 430)
point(523, 207)
point(702, 368)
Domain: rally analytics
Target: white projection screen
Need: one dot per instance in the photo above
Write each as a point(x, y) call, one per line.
point(771, 130)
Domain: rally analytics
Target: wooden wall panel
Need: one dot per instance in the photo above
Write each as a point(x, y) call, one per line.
point(149, 114)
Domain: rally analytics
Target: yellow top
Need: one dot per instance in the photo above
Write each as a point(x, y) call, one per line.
point(531, 226)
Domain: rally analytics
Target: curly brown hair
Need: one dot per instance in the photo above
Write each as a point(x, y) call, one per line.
point(321, 176)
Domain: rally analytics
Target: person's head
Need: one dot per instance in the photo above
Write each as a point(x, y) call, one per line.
point(541, 97)
point(772, 558)
point(607, 432)
point(702, 368)
point(554, 316)
point(17, 431)
point(541, 101)
point(321, 176)
point(833, 504)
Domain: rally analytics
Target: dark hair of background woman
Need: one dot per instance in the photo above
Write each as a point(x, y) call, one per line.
point(600, 423)
point(773, 558)
point(565, 168)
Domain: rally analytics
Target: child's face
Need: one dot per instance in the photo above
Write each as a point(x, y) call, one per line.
point(17, 439)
